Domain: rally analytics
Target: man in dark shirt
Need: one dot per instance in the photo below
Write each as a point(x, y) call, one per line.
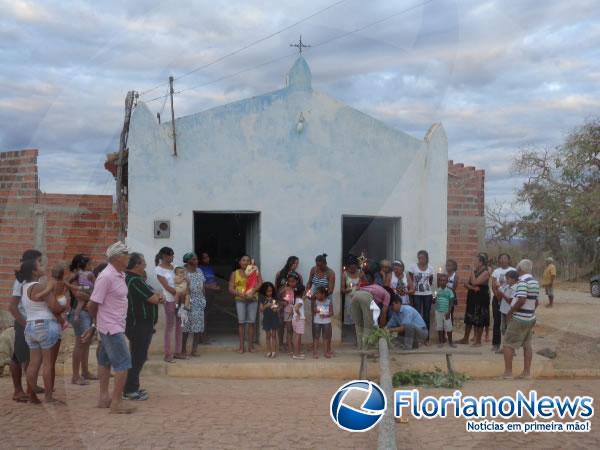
point(142, 314)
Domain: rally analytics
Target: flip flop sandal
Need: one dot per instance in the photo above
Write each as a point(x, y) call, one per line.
point(122, 410)
point(21, 398)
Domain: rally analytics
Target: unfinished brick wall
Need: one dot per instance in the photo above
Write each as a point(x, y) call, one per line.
point(466, 220)
point(59, 225)
point(18, 195)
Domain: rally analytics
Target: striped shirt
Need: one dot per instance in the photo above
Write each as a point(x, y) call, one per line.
point(318, 281)
point(527, 288)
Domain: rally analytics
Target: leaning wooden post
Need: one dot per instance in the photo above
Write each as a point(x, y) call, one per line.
point(121, 189)
point(386, 439)
point(449, 363)
point(173, 117)
point(362, 371)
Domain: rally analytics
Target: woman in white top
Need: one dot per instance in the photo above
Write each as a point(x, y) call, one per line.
point(400, 282)
point(42, 332)
point(421, 275)
point(165, 274)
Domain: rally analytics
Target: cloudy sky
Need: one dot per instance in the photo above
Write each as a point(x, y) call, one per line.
point(501, 75)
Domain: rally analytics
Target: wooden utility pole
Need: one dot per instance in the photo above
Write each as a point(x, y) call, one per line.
point(173, 117)
point(121, 188)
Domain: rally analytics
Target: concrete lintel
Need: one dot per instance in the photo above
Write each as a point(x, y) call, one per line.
point(466, 220)
point(38, 208)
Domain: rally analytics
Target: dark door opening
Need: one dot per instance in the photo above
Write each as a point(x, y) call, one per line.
point(225, 237)
point(376, 238)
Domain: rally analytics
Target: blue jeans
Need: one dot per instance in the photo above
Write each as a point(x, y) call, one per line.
point(42, 333)
point(113, 351)
point(423, 306)
point(246, 311)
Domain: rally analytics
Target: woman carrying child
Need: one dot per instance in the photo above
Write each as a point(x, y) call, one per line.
point(246, 300)
point(81, 285)
point(43, 329)
point(281, 277)
point(287, 296)
point(165, 275)
point(269, 306)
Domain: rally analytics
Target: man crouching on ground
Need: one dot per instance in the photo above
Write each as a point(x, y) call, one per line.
point(521, 319)
point(108, 308)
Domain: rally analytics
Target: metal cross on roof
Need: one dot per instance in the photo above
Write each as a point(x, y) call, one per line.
point(300, 45)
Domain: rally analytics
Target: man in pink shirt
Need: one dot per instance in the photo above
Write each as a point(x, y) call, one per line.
point(108, 307)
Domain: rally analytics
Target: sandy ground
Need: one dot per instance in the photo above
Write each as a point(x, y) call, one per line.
point(211, 413)
point(570, 329)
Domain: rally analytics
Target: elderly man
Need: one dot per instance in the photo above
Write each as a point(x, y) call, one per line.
point(108, 307)
point(548, 280)
point(142, 315)
point(521, 319)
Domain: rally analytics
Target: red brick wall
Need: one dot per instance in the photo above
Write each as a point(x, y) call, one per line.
point(59, 225)
point(466, 219)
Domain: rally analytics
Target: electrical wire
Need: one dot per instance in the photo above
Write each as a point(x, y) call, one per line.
point(328, 41)
point(266, 63)
point(247, 46)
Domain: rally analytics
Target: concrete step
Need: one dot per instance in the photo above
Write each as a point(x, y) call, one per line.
point(228, 364)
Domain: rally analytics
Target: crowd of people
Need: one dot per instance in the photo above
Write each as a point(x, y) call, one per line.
point(116, 301)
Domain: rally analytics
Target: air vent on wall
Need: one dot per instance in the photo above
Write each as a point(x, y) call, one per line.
point(162, 229)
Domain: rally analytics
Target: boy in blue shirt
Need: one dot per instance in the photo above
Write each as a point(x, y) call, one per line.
point(443, 305)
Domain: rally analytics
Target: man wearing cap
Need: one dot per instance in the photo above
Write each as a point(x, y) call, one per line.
point(108, 308)
point(548, 280)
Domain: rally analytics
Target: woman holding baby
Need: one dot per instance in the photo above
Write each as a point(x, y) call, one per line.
point(244, 283)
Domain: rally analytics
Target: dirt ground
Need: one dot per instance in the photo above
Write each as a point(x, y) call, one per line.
point(570, 328)
point(210, 413)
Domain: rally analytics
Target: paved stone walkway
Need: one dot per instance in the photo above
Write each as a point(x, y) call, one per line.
point(241, 414)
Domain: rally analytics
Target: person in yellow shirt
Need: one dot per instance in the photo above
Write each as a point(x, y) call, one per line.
point(548, 278)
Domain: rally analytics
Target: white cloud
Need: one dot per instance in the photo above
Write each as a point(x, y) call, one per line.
point(500, 75)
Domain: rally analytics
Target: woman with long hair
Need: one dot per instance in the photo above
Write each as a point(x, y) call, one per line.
point(291, 265)
point(42, 331)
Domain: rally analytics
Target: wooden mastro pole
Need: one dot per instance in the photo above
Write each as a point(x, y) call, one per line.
point(121, 188)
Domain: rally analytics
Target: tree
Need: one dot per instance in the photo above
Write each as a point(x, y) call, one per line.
point(563, 194)
point(501, 224)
